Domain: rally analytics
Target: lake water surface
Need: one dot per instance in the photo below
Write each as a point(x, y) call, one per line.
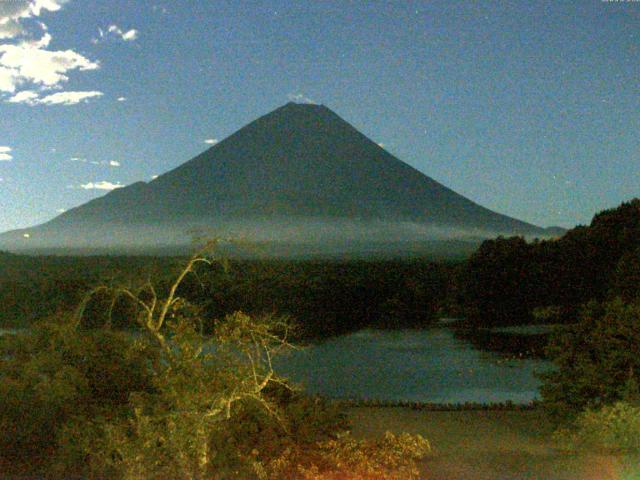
point(411, 365)
point(428, 365)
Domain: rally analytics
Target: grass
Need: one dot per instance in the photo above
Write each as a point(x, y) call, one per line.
point(492, 445)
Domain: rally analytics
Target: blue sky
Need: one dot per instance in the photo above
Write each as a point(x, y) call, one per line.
point(530, 108)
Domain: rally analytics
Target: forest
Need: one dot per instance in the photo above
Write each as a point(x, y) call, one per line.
point(511, 281)
point(324, 297)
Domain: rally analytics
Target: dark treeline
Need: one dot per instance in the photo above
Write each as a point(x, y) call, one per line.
point(36, 287)
point(329, 298)
point(510, 281)
point(324, 297)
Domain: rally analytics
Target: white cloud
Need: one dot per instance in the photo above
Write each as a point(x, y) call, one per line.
point(32, 98)
point(28, 66)
point(104, 185)
point(130, 35)
point(67, 98)
point(153, 177)
point(8, 79)
point(61, 210)
point(51, 5)
point(5, 154)
point(99, 37)
point(115, 32)
point(211, 141)
point(10, 28)
point(122, 99)
point(13, 12)
point(300, 98)
point(110, 163)
point(28, 62)
point(26, 96)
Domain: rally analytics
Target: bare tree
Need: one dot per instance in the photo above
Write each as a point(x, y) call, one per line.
point(198, 380)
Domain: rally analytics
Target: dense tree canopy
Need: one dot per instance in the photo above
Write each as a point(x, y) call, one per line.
point(506, 280)
point(325, 297)
point(596, 358)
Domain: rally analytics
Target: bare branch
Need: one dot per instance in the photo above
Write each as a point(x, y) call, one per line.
point(85, 301)
point(172, 292)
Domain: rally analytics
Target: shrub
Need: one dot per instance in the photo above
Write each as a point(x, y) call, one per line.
point(345, 458)
point(170, 402)
point(56, 373)
point(596, 359)
point(611, 428)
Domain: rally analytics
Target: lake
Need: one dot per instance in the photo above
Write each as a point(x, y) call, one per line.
point(428, 365)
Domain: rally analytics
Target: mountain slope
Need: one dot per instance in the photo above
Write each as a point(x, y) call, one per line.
point(299, 173)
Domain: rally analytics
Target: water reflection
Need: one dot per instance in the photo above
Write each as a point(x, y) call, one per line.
point(412, 365)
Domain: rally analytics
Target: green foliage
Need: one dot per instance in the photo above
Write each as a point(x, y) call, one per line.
point(345, 458)
point(610, 428)
point(493, 280)
point(34, 288)
point(170, 401)
point(506, 280)
point(550, 314)
point(326, 297)
point(596, 359)
point(55, 372)
point(199, 384)
point(626, 277)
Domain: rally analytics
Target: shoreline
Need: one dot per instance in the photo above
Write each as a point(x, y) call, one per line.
point(437, 407)
point(491, 445)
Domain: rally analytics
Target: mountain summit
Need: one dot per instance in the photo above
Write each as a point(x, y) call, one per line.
point(298, 174)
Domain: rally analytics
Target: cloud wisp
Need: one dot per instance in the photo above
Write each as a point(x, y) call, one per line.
point(300, 98)
point(211, 141)
point(68, 98)
point(5, 154)
point(117, 33)
point(110, 163)
point(29, 97)
point(14, 12)
point(103, 185)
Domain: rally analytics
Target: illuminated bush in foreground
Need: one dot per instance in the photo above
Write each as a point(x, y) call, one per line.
point(610, 428)
point(170, 402)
